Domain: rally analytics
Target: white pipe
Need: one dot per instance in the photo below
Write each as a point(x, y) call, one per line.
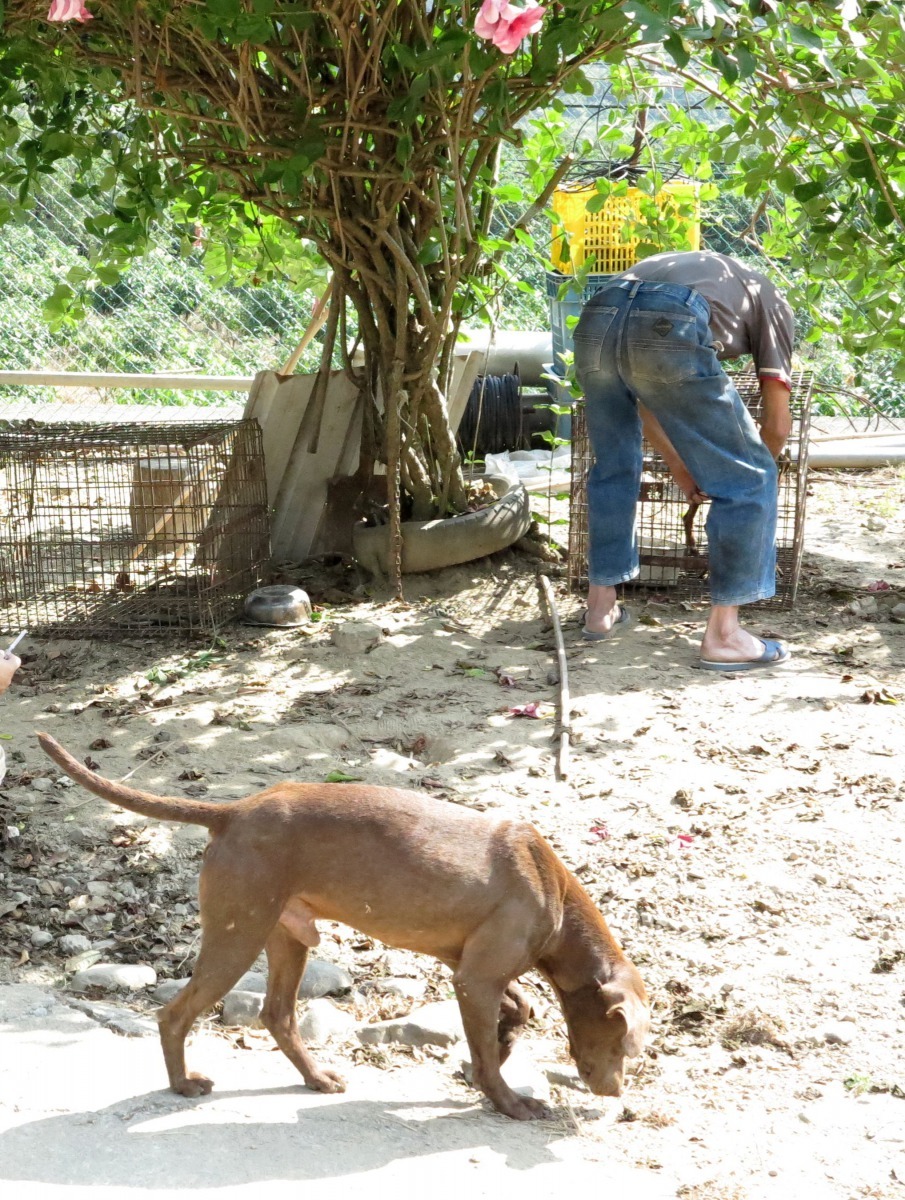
point(531, 349)
point(845, 453)
point(111, 379)
point(853, 437)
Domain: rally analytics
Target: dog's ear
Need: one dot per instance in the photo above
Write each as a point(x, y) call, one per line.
point(630, 1008)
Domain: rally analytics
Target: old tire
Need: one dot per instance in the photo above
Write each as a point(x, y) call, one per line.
point(432, 545)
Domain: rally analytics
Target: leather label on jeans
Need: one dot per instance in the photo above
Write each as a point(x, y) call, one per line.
point(662, 326)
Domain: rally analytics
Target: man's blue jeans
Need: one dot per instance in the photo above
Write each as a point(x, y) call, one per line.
point(650, 342)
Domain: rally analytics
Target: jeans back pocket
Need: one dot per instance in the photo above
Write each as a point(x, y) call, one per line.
point(590, 335)
point(668, 347)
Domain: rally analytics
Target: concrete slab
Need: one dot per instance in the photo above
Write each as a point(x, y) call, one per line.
point(84, 1112)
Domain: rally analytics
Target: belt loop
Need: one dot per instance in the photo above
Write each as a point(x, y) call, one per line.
point(637, 284)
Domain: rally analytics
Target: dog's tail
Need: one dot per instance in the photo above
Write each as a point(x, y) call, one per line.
point(164, 808)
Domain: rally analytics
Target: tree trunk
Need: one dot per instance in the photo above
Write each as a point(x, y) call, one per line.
point(405, 327)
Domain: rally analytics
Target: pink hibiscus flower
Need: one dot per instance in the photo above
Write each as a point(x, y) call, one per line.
point(506, 25)
point(68, 10)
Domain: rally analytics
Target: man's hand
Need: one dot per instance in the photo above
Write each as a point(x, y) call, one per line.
point(693, 493)
point(9, 664)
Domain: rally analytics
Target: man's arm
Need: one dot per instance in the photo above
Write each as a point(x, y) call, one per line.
point(656, 435)
point(776, 422)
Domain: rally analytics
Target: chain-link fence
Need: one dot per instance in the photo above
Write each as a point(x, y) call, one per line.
point(164, 316)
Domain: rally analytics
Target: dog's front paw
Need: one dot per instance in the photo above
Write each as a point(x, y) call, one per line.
point(194, 1085)
point(325, 1080)
point(523, 1108)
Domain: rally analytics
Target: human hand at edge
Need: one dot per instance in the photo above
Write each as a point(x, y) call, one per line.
point(9, 665)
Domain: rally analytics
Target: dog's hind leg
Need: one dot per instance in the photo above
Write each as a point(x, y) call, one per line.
point(236, 921)
point(286, 957)
point(215, 973)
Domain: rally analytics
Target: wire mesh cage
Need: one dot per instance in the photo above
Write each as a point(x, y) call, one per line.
point(672, 540)
point(108, 529)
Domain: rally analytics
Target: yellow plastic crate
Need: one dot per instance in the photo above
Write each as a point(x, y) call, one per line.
point(602, 234)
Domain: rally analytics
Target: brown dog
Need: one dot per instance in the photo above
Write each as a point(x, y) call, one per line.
point(488, 897)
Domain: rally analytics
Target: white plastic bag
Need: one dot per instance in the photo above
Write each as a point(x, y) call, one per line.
point(539, 470)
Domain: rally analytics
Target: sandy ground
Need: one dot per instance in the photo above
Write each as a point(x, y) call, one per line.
point(743, 836)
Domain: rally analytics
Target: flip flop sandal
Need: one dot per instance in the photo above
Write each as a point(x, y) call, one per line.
point(774, 654)
point(622, 621)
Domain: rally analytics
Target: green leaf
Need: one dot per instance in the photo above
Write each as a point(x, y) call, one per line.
point(341, 777)
point(597, 203)
point(57, 303)
point(805, 37)
point(58, 143)
point(677, 49)
point(430, 252)
point(727, 66)
point(405, 56)
point(747, 63)
point(883, 214)
point(301, 18)
point(651, 24)
point(785, 179)
point(807, 191)
point(578, 83)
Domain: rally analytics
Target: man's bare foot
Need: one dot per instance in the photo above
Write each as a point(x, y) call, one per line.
point(603, 611)
point(725, 641)
point(737, 646)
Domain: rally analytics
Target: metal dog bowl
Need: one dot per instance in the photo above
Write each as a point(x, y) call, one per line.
point(278, 604)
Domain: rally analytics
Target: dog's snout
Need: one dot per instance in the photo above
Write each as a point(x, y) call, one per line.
point(602, 1083)
point(607, 1087)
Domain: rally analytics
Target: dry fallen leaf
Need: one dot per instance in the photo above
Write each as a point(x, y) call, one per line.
point(878, 696)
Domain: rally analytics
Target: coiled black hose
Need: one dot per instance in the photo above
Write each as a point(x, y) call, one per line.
point(493, 420)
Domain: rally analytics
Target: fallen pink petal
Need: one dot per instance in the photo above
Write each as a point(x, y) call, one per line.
point(879, 585)
point(684, 840)
point(68, 10)
point(505, 680)
point(600, 832)
point(534, 709)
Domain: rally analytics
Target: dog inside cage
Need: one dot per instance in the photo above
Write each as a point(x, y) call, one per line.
point(107, 528)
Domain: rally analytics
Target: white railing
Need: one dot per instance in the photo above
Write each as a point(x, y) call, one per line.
point(113, 379)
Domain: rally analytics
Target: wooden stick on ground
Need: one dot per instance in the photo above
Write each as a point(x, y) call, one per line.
point(564, 716)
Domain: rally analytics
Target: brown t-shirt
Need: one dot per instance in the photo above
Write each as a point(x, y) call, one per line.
point(747, 314)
